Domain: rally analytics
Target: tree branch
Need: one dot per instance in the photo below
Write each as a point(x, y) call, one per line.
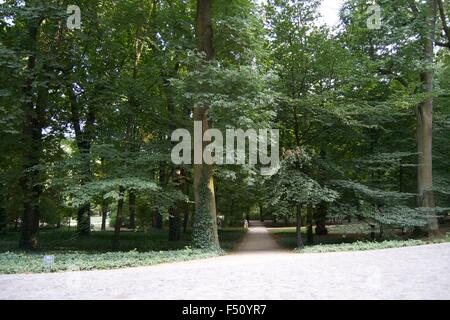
point(443, 17)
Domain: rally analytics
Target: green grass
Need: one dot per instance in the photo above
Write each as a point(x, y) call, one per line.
point(346, 238)
point(94, 252)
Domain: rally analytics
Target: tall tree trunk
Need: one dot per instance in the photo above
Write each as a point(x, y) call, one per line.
point(84, 220)
point(186, 209)
point(261, 213)
point(157, 219)
point(3, 219)
point(205, 225)
point(186, 218)
point(32, 142)
point(104, 213)
point(175, 211)
point(174, 223)
point(132, 143)
point(119, 219)
point(310, 234)
point(132, 208)
point(84, 140)
point(425, 123)
point(298, 230)
point(321, 216)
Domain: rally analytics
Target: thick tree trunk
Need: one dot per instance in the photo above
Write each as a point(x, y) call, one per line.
point(132, 208)
point(119, 219)
point(205, 224)
point(321, 216)
point(298, 230)
point(425, 124)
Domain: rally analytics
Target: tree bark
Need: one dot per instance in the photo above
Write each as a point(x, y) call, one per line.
point(174, 224)
point(132, 208)
point(310, 234)
point(298, 230)
point(104, 213)
point(261, 213)
point(157, 221)
point(205, 221)
point(3, 219)
point(33, 111)
point(186, 210)
point(84, 140)
point(175, 210)
point(119, 219)
point(425, 123)
point(321, 216)
point(186, 218)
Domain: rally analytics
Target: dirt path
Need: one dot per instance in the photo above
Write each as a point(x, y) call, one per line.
point(258, 270)
point(258, 240)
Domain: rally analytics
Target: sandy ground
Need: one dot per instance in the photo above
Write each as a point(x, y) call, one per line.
point(258, 269)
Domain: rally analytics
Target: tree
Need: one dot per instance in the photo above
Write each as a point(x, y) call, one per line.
point(205, 225)
point(295, 189)
point(425, 116)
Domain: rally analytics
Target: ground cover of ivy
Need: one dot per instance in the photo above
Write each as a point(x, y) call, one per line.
point(348, 238)
point(61, 250)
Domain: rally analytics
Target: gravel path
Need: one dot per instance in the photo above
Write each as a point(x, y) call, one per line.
point(406, 273)
point(258, 240)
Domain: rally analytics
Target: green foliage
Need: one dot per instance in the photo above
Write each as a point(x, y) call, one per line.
point(204, 224)
point(365, 245)
point(349, 237)
point(137, 249)
point(11, 262)
point(293, 185)
point(101, 103)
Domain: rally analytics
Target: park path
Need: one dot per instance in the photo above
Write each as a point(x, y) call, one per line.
point(258, 270)
point(258, 241)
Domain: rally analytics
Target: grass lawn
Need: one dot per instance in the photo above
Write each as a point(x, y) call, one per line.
point(346, 238)
point(66, 252)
